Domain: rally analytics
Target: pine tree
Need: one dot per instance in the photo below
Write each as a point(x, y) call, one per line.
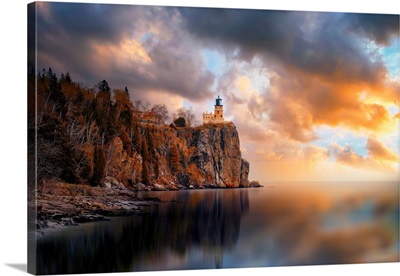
point(156, 169)
point(145, 162)
point(99, 169)
point(150, 141)
point(174, 160)
point(69, 166)
point(144, 150)
point(103, 87)
point(68, 78)
point(145, 173)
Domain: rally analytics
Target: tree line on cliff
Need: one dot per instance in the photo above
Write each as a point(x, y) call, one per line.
point(83, 134)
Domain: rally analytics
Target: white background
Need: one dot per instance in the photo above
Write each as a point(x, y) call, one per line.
point(13, 248)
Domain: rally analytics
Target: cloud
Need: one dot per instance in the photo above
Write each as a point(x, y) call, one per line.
point(284, 74)
point(310, 41)
point(379, 151)
point(135, 46)
point(318, 68)
point(379, 156)
point(378, 27)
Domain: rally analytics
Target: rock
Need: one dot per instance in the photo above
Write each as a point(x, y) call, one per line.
point(255, 184)
point(112, 183)
point(57, 216)
point(88, 218)
point(141, 187)
point(244, 173)
point(191, 187)
point(158, 187)
point(106, 185)
point(173, 188)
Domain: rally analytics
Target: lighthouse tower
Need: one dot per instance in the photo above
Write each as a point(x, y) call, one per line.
point(217, 116)
point(218, 111)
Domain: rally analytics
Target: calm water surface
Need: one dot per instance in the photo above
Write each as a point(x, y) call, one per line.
point(279, 225)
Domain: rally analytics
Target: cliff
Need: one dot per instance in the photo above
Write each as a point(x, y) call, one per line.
point(216, 155)
point(209, 157)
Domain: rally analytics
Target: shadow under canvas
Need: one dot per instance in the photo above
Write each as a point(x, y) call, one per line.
point(21, 267)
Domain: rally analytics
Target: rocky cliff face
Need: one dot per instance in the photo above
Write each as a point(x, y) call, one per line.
point(217, 155)
point(244, 173)
point(206, 156)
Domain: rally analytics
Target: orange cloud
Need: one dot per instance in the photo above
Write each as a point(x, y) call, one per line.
point(299, 103)
point(379, 151)
point(379, 158)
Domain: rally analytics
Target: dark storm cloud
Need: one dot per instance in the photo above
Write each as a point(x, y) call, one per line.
point(310, 41)
point(93, 43)
point(378, 27)
point(86, 21)
point(249, 31)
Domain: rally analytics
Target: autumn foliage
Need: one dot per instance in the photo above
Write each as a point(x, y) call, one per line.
point(85, 134)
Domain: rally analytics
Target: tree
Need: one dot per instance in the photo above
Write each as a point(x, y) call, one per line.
point(156, 169)
point(145, 162)
point(187, 114)
point(137, 104)
point(103, 87)
point(174, 159)
point(99, 170)
point(135, 135)
point(161, 109)
point(49, 73)
point(54, 90)
point(123, 108)
point(70, 167)
point(68, 78)
point(180, 122)
point(145, 173)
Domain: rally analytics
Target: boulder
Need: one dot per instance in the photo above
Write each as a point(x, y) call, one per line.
point(158, 187)
point(255, 184)
point(141, 187)
point(110, 182)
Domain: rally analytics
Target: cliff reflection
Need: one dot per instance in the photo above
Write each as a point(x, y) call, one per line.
point(305, 224)
point(206, 222)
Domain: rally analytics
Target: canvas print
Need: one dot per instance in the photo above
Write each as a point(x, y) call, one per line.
point(180, 138)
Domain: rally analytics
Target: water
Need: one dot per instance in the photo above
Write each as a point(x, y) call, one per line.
point(279, 225)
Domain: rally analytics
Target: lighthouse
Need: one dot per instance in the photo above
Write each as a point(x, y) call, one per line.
point(217, 116)
point(218, 111)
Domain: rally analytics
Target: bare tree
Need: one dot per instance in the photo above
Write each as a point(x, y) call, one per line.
point(161, 109)
point(187, 114)
point(137, 104)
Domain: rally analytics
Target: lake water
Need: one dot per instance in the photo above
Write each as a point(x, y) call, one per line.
point(281, 224)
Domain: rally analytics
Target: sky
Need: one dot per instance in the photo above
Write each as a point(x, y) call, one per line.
point(314, 95)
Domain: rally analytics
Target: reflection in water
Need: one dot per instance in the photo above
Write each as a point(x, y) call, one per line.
point(303, 224)
point(207, 221)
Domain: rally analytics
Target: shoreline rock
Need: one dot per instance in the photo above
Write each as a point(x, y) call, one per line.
point(61, 204)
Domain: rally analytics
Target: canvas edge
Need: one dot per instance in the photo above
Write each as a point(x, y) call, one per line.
point(31, 138)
